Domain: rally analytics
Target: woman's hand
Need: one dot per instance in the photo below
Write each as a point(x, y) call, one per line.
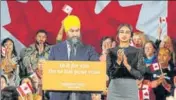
point(125, 62)
point(105, 47)
point(119, 56)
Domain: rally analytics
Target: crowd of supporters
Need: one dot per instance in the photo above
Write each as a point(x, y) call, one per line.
point(158, 82)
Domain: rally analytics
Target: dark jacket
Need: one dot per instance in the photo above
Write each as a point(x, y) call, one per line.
point(135, 59)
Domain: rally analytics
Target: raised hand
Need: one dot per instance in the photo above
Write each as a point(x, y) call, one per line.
point(61, 32)
point(159, 32)
point(105, 47)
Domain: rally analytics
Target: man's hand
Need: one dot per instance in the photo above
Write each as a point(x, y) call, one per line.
point(154, 84)
point(61, 32)
point(157, 82)
point(159, 31)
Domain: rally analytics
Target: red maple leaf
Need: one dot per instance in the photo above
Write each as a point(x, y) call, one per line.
point(146, 94)
point(171, 20)
point(25, 88)
point(27, 18)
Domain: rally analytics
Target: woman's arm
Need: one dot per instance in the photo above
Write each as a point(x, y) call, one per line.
point(140, 68)
point(112, 66)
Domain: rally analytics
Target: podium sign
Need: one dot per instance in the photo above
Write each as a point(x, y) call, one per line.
point(74, 75)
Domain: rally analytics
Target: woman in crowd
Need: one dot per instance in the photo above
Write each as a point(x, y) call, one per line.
point(150, 52)
point(106, 43)
point(114, 44)
point(125, 65)
point(150, 57)
point(9, 66)
point(138, 39)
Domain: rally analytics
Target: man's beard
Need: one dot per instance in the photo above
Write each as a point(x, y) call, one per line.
point(39, 42)
point(74, 41)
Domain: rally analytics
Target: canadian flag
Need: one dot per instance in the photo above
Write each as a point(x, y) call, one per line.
point(3, 50)
point(67, 9)
point(144, 92)
point(163, 24)
point(25, 89)
point(154, 67)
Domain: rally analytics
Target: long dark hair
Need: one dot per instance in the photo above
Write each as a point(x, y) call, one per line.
point(9, 93)
point(8, 39)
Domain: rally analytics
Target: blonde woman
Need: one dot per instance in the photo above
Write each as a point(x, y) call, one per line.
point(139, 39)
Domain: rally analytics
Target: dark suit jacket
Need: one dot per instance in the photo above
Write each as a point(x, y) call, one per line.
point(83, 53)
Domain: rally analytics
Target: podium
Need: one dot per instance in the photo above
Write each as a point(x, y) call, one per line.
point(74, 76)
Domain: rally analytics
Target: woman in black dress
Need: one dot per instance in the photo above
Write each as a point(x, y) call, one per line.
point(125, 65)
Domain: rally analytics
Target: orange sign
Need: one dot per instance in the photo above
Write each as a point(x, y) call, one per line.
point(74, 75)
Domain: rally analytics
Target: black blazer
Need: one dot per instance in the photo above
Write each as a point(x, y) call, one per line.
point(135, 59)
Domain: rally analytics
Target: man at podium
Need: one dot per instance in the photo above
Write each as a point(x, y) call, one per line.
point(72, 49)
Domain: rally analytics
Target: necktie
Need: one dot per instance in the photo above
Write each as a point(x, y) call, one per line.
point(72, 57)
point(72, 53)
